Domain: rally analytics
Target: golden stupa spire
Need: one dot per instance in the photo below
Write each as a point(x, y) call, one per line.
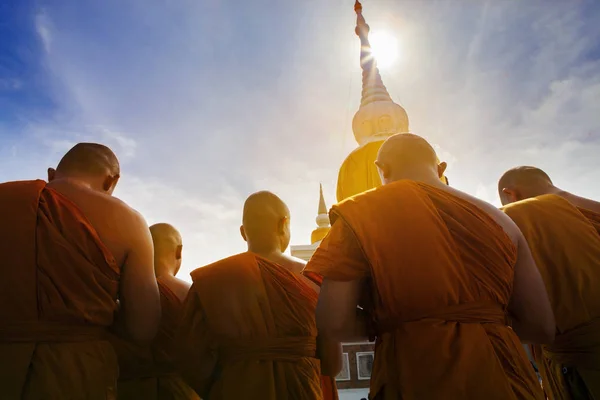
point(373, 88)
point(322, 220)
point(378, 117)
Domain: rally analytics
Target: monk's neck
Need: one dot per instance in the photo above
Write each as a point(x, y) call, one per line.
point(272, 254)
point(266, 253)
point(264, 248)
point(71, 181)
point(427, 179)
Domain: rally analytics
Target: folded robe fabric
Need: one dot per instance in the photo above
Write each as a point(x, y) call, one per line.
point(438, 275)
point(148, 372)
point(248, 331)
point(565, 243)
point(57, 297)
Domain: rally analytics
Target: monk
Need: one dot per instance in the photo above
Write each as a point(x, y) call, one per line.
point(563, 232)
point(258, 210)
point(147, 372)
point(248, 328)
point(433, 275)
point(70, 254)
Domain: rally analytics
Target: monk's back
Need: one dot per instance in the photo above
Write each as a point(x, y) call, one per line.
point(58, 292)
point(442, 274)
point(565, 243)
point(260, 319)
point(478, 254)
point(494, 213)
point(107, 214)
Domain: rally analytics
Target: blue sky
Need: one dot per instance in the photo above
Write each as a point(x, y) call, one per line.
point(206, 102)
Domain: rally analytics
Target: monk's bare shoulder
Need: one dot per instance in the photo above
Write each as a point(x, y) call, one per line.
point(178, 286)
point(115, 222)
point(582, 202)
point(294, 264)
point(511, 229)
point(297, 266)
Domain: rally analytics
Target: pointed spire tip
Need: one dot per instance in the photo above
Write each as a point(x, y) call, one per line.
point(322, 205)
point(357, 7)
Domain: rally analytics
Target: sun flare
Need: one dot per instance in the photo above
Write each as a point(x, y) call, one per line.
point(385, 48)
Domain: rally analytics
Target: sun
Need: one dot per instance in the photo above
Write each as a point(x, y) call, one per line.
point(385, 48)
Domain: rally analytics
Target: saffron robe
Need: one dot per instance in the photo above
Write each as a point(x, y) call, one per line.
point(328, 385)
point(58, 295)
point(148, 372)
point(438, 274)
point(248, 332)
point(329, 388)
point(565, 243)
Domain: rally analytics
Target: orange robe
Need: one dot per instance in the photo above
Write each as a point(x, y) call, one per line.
point(565, 243)
point(329, 388)
point(328, 385)
point(148, 372)
point(248, 332)
point(57, 297)
point(438, 275)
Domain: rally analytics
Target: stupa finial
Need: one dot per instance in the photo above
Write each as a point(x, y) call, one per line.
point(322, 206)
point(373, 87)
point(378, 116)
point(323, 224)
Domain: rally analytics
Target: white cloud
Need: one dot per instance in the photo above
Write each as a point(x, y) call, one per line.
point(122, 140)
point(43, 28)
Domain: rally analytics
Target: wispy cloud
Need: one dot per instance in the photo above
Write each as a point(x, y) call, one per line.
point(43, 28)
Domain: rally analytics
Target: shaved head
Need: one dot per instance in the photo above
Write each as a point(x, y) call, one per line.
point(89, 159)
point(523, 182)
point(265, 221)
point(90, 163)
point(407, 156)
point(167, 248)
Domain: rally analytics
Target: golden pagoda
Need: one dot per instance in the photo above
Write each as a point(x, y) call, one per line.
point(377, 118)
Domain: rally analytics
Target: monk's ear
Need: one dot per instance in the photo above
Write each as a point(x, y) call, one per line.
point(110, 182)
point(178, 252)
point(51, 174)
point(243, 233)
point(285, 221)
point(441, 169)
point(384, 171)
point(509, 196)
